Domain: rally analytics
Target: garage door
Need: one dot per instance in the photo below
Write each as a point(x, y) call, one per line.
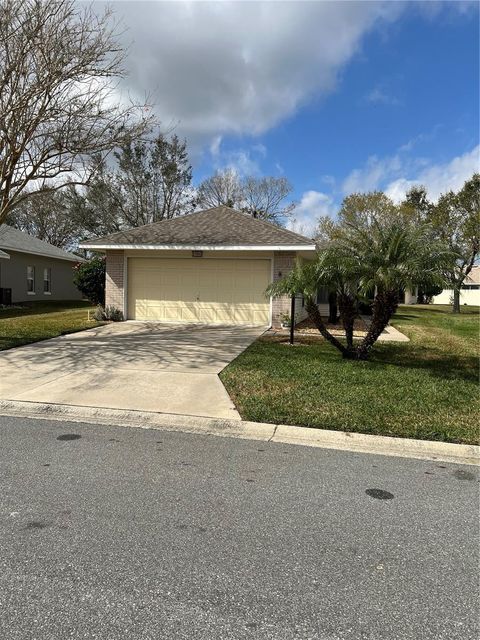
point(206, 290)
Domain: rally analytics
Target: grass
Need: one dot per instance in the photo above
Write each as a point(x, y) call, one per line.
point(427, 388)
point(42, 320)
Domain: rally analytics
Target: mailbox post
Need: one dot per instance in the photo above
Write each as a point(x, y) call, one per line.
point(292, 319)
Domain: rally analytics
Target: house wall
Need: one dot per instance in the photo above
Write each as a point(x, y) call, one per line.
point(411, 296)
point(467, 296)
point(115, 280)
point(116, 274)
point(13, 275)
point(283, 263)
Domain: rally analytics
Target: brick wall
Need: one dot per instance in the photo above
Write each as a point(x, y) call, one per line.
point(114, 279)
point(283, 263)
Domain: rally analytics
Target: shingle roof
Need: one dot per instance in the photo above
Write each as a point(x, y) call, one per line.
point(219, 226)
point(474, 275)
point(15, 240)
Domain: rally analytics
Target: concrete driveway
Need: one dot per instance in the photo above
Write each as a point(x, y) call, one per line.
point(130, 365)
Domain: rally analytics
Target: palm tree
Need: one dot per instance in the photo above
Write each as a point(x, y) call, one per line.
point(364, 257)
point(390, 257)
point(304, 279)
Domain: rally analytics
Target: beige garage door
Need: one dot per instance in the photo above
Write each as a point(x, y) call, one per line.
point(207, 290)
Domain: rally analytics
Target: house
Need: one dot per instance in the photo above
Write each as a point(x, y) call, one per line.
point(211, 267)
point(469, 293)
point(34, 270)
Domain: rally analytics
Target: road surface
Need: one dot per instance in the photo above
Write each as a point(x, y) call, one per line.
point(133, 534)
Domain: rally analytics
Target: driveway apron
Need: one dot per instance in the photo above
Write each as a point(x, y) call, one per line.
point(130, 365)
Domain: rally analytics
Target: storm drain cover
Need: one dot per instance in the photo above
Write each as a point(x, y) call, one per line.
point(69, 436)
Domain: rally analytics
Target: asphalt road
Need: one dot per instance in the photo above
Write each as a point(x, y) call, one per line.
point(134, 534)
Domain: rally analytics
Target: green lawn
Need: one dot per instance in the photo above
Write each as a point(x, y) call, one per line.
point(427, 388)
point(42, 320)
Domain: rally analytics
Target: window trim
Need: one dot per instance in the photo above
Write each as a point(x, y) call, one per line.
point(32, 279)
point(48, 272)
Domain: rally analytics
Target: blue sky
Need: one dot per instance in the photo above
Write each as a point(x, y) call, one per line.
point(336, 96)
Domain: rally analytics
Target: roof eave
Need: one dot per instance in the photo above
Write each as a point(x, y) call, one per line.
point(73, 258)
point(199, 247)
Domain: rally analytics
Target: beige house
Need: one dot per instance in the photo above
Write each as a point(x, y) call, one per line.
point(469, 293)
point(32, 270)
point(210, 267)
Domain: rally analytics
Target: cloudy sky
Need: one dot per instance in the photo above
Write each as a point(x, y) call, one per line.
point(337, 96)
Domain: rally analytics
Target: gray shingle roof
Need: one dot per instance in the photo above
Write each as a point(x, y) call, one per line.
point(15, 240)
point(219, 226)
point(474, 275)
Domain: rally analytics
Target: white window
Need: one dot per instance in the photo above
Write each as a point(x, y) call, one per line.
point(31, 280)
point(47, 280)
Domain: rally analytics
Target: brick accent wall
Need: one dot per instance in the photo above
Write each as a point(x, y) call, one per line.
point(114, 279)
point(283, 263)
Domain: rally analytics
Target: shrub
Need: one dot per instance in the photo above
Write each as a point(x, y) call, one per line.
point(89, 278)
point(425, 296)
point(99, 313)
point(113, 314)
point(108, 313)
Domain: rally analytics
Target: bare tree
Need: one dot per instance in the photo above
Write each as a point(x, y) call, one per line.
point(223, 188)
point(265, 197)
point(59, 68)
point(260, 197)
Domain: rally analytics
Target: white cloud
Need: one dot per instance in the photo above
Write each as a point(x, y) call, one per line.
point(396, 174)
point(215, 145)
point(373, 175)
point(379, 96)
point(218, 68)
point(439, 178)
point(244, 162)
point(312, 205)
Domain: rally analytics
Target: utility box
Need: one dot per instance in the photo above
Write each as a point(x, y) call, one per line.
point(5, 296)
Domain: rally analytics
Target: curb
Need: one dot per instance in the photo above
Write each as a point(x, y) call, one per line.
point(287, 434)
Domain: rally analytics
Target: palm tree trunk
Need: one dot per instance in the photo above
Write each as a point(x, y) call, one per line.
point(384, 306)
point(332, 308)
point(456, 300)
point(314, 315)
point(348, 313)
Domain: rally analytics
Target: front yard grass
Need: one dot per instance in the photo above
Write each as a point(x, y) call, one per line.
point(427, 388)
point(39, 321)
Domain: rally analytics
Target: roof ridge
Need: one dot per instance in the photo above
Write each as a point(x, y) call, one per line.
point(270, 224)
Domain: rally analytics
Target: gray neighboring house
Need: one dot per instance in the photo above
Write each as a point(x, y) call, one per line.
point(34, 270)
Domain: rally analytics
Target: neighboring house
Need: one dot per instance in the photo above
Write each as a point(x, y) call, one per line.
point(211, 267)
point(469, 293)
point(409, 296)
point(34, 270)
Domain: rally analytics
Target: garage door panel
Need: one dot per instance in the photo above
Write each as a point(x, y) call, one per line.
point(204, 290)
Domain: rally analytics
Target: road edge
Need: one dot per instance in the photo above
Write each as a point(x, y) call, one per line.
point(279, 433)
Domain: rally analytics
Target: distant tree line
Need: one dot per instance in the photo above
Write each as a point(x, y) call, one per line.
point(145, 181)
